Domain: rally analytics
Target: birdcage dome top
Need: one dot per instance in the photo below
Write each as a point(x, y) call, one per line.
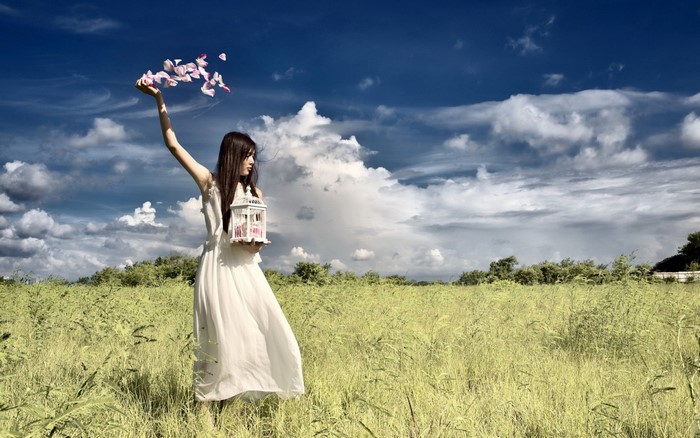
point(247, 200)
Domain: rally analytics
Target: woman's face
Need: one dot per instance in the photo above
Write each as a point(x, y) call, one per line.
point(247, 164)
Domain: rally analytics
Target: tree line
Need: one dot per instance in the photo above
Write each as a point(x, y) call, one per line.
point(184, 268)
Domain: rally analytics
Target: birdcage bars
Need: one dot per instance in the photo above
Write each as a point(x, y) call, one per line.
point(248, 219)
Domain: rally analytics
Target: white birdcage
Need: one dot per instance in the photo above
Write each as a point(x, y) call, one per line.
point(248, 219)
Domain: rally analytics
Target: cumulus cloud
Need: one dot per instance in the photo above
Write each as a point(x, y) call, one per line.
point(38, 223)
point(592, 125)
point(7, 205)
point(102, 132)
point(337, 265)
point(20, 248)
point(361, 254)
point(190, 212)
point(299, 252)
point(690, 130)
point(430, 257)
point(26, 181)
point(142, 221)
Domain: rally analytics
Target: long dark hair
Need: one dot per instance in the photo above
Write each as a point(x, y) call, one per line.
point(235, 147)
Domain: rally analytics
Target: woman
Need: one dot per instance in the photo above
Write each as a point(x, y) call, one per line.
point(246, 347)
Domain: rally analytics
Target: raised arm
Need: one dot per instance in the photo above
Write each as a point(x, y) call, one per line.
point(199, 173)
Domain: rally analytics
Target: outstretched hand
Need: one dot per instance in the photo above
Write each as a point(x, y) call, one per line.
point(147, 88)
point(253, 247)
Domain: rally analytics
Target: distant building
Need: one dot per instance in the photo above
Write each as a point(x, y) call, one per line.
point(681, 277)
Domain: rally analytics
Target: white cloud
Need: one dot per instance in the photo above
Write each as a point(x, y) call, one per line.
point(20, 248)
point(299, 252)
point(430, 257)
point(26, 181)
point(362, 254)
point(143, 216)
point(190, 211)
point(553, 79)
point(461, 142)
point(690, 130)
point(337, 265)
point(38, 223)
point(7, 206)
point(103, 131)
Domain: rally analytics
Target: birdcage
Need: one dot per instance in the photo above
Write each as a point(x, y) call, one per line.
point(248, 219)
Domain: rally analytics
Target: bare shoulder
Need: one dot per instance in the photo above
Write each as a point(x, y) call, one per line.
point(259, 192)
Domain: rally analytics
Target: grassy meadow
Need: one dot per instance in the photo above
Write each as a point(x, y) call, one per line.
point(494, 360)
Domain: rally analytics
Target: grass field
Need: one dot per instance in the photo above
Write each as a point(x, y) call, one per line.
point(498, 360)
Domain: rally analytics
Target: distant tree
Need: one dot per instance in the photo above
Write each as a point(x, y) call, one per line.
point(691, 249)
point(503, 269)
point(109, 275)
point(528, 276)
point(177, 266)
point(312, 272)
point(687, 254)
point(472, 278)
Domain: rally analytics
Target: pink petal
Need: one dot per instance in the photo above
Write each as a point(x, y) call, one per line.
point(222, 57)
point(201, 60)
point(226, 88)
point(195, 74)
point(186, 78)
point(207, 89)
point(177, 61)
point(181, 70)
point(168, 65)
point(204, 73)
point(160, 76)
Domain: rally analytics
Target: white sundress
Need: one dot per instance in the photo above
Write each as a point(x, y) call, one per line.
point(246, 346)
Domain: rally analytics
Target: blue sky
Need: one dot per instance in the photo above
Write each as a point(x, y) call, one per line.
point(414, 138)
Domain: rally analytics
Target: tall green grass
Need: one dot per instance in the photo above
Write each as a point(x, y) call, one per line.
point(381, 360)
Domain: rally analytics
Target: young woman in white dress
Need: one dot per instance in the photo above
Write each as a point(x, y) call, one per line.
point(246, 347)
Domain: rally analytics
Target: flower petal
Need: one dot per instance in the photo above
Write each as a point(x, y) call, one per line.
point(204, 73)
point(168, 65)
point(207, 89)
point(222, 57)
point(177, 61)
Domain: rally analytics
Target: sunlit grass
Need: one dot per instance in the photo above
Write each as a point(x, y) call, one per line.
point(379, 360)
